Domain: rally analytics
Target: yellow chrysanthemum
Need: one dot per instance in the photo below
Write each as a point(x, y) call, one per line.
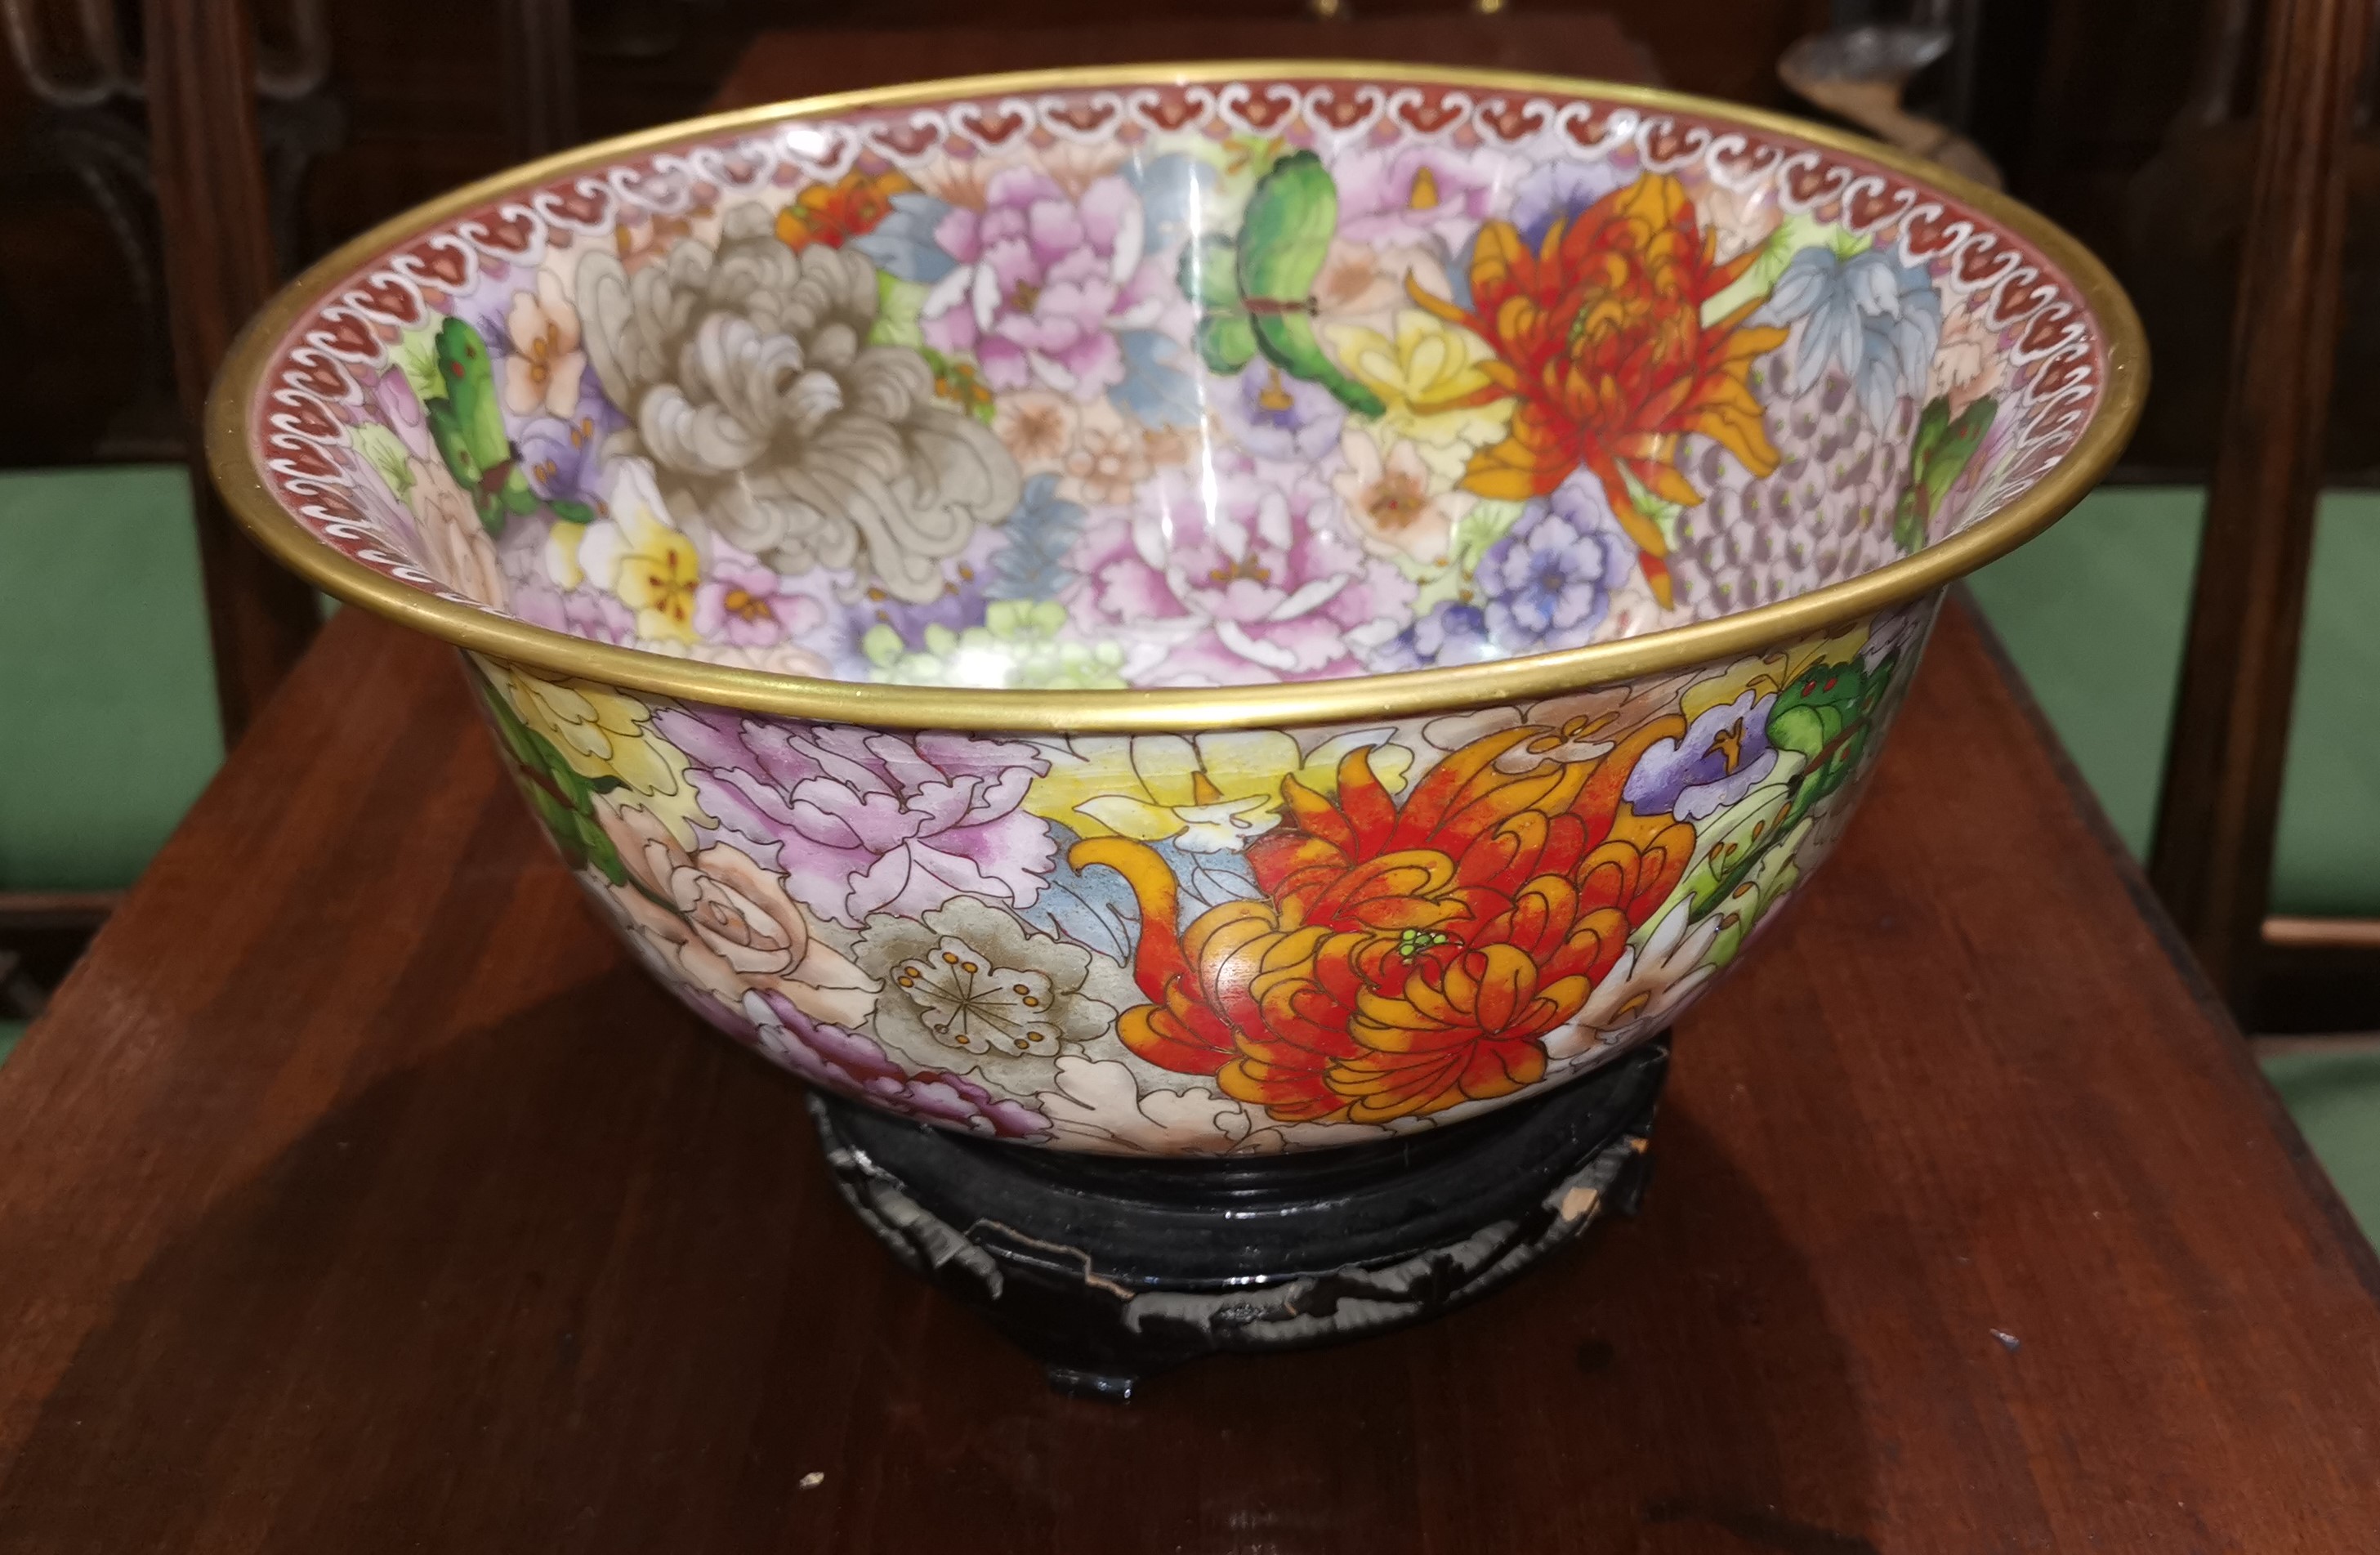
point(604, 733)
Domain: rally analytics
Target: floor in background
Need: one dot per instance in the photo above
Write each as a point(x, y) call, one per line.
point(109, 703)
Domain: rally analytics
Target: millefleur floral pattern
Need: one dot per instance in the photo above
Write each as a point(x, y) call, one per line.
point(1233, 410)
point(1241, 942)
point(1267, 586)
point(864, 823)
point(1044, 281)
point(1187, 406)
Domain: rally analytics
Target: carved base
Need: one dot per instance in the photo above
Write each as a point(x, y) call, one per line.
point(1108, 1270)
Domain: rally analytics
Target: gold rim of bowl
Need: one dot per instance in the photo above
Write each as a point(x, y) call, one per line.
point(238, 474)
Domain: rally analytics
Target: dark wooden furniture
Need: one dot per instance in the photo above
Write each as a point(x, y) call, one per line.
point(2212, 860)
point(541, 71)
point(799, 64)
point(217, 227)
point(358, 1194)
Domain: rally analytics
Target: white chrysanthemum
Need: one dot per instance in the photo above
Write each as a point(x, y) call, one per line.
point(746, 370)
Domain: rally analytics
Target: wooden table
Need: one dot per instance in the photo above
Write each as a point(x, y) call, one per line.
point(356, 1195)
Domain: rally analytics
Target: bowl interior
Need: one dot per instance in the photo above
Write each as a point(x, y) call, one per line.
point(1176, 384)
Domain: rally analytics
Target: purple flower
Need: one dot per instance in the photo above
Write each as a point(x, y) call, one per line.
point(1285, 420)
point(1266, 585)
point(828, 1056)
point(966, 591)
point(563, 459)
point(748, 605)
point(1548, 584)
point(862, 821)
point(394, 406)
point(1559, 188)
point(1044, 281)
point(1410, 193)
point(1454, 633)
point(1723, 755)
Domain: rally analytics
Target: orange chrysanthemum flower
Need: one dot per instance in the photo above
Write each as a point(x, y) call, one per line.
point(1407, 958)
point(1600, 334)
point(836, 213)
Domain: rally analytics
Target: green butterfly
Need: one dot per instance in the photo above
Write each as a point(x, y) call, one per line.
point(467, 426)
point(1254, 294)
point(1937, 456)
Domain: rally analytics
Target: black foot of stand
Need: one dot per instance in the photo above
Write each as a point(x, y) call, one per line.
point(1108, 1268)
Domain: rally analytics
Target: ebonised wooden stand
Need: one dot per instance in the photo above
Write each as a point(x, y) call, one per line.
point(1108, 1268)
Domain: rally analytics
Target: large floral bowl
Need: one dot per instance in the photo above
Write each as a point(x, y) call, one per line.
point(1187, 610)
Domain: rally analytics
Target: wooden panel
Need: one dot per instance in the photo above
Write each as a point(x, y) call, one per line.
point(789, 64)
point(540, 77)
point(357, 1194)
point(218, 235)
point(2212, 858)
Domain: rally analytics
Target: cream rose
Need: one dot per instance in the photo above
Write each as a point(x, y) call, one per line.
point(720, 920)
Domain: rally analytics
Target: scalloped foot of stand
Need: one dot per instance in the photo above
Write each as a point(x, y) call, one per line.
point(1109, 1269)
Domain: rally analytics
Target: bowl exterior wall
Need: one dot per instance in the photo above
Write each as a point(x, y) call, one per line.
point(1256, 939)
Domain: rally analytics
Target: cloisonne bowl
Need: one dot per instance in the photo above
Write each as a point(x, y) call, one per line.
point(1187, 610)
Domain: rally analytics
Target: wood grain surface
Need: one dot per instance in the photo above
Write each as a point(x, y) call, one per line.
point(217, 226)
point(357, 1194)
point(2219, 812)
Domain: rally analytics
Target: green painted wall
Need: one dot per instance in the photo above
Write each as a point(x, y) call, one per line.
point(107, 696)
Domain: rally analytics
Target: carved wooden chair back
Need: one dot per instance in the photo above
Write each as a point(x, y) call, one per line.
point(2212, 856)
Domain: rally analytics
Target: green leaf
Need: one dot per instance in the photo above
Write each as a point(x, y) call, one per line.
point(1660, 512)
point(415, 355)
point(595, 846)
point(899, 305)
point(882, 646)
point(1940, 452)
point(387, 453)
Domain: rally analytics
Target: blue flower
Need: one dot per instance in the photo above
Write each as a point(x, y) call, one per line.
point(1875, 321)
point(903, 243)
point(1547, 583)
point(1454, 633)
point(1040, 533)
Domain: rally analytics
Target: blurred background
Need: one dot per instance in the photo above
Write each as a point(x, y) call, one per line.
point(2128, 121)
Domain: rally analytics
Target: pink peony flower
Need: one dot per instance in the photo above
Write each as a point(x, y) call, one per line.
point(1267, 587)
point(1403, 194)
point(1043, 282)
point(862, 821)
